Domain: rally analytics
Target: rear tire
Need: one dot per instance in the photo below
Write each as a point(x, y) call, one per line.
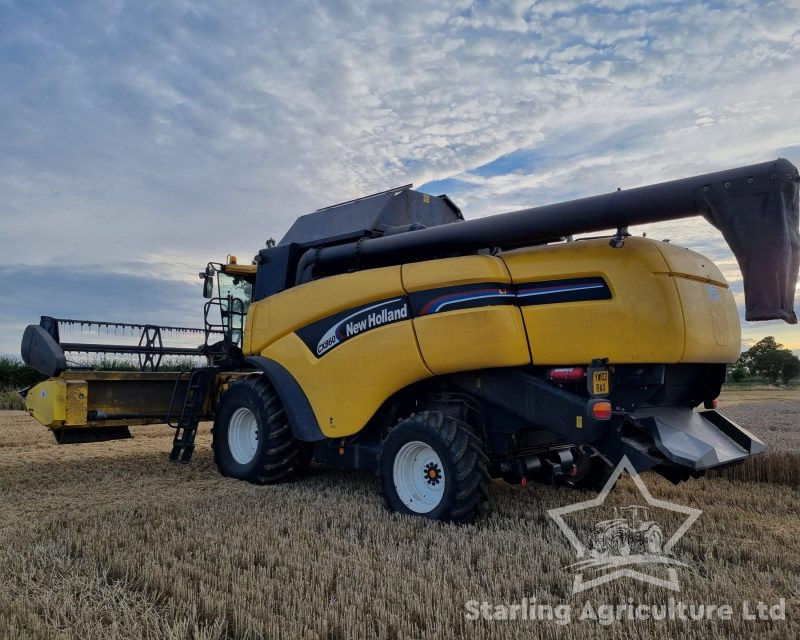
point(252, 437)
point(433, 465)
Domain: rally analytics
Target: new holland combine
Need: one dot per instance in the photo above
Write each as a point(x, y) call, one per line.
point(388, 334)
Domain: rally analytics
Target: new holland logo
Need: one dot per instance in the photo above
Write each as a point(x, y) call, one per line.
point(363, 320)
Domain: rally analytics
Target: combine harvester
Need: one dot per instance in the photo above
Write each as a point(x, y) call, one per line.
point(388, 334)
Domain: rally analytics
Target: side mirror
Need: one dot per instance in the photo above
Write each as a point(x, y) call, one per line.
point(208, 286)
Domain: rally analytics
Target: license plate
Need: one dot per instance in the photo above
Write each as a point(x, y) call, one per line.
point(600, 383)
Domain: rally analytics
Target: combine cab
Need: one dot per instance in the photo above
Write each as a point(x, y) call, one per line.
point(389, 334)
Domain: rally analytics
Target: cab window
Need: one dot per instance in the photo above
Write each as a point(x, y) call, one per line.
point(235, 294)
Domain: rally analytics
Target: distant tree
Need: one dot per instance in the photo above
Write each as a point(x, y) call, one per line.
point(738, 372)
point(791, 367)
point(768, 359)
point(15, 374)
point(761, 348)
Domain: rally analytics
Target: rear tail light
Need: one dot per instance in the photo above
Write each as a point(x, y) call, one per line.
point(601, 410)
point(567, 373)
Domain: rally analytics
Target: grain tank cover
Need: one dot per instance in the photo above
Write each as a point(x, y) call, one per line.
point(370, 217)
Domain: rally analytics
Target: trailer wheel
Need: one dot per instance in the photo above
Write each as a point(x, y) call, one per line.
point(252, 438)
point(433, 465)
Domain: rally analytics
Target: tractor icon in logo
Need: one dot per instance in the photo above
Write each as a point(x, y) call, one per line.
point(630, 531)
point(628, 545)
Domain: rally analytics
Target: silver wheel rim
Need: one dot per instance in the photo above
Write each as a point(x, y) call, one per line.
point(243, 435)
point(419, 477)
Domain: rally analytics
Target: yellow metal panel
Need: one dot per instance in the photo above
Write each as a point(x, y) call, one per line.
point(643, 321)
point(490, 336)
point(686, 263)
point(76, 402)
point(449, 272)
point(478, 338)
point(348, 384)
point(275, 316)
point(580, 258)
point(46, 402)
point(713, 332)
point(67, 400)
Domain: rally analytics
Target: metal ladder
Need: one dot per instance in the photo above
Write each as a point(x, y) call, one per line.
point(200, 380)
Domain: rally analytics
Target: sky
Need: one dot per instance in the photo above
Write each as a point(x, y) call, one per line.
point(139, 140)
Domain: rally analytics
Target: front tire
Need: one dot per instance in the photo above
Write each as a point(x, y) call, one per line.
point(252, 438)
point(433, 465)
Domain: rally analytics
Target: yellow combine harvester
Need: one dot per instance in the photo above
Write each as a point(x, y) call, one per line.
point(390, 335)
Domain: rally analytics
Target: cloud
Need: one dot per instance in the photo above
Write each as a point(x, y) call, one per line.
point(93, 293)
point(151, 138)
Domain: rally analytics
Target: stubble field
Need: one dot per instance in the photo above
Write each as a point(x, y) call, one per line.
point(110, 540)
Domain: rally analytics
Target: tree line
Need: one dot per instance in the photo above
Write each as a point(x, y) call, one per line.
point(769, 360)
point(15, 374)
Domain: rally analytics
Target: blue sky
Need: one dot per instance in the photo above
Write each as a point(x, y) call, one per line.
point(139, 140)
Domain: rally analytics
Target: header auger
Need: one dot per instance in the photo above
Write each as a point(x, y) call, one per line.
point(388, 334)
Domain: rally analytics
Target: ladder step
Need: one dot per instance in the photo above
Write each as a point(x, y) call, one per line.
point(188, 421)
point(188, 450)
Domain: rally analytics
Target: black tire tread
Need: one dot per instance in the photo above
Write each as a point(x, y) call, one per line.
point(278, 460)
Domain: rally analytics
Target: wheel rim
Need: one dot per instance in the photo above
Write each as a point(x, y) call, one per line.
point(419, 477)
point(243, 435)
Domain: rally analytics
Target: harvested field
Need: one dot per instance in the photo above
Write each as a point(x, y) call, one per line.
point(109, 540)
point(774, 416)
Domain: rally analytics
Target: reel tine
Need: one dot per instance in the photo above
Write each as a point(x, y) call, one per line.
point(146, 350)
